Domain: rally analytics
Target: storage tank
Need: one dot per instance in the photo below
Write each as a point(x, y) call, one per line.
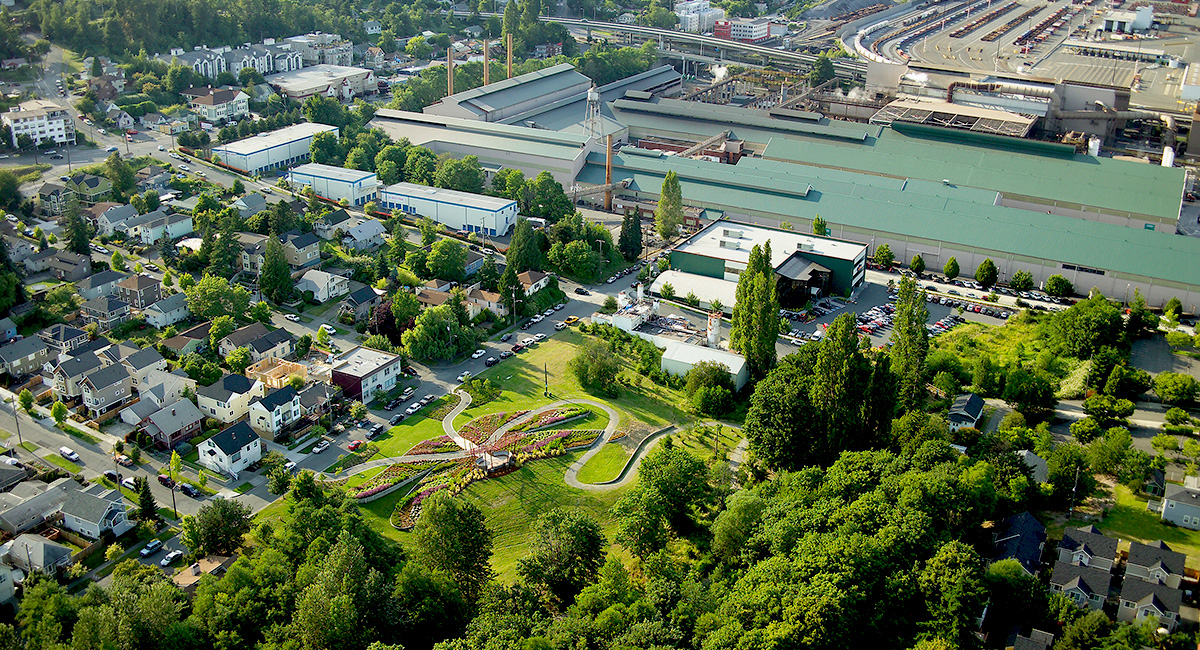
point(1168, 157)
point(1094, 146)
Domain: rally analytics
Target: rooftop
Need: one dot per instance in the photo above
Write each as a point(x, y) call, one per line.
point(692, 354)
point(441, 133)
point(732, 241)
point(271, 139)
point(232, 439)
point(276, 398)
point(481, 201)
point(318, 170)
point(522, 88)
point(361, 362)
point(313, 77)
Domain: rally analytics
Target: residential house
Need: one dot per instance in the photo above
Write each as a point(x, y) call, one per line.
point(365, 236)
point(119, 117)
point(218, 105)
point(93, 212)
point(11, 475)
point(1156, 483)
point(361, 371)
point(966, 411)
point(52, 197)
point(29, 504)
point(274, 412)
point(106, 389)
point(101, 284)
point(253, 246)
point(372, 27)
point(116, 353)
point(19, 248)
point(59, 337)
point(162, 224)
point(1087, 586)
point(479, 300)
point(1180, 504)
point(154, 120)
point(68, 266)
point(105, 312)
point(24, 356)
point(318, 397)
point(104, 88)
point(330, 223)
point(174, 423)
point(138, 413)
point(161, 388)
point(1155, 562)
point(228, 400)
point(533, 281)
point(323, 285)
point(95, 510)
point(142, 363)
point(360, 302)
point(1141, 600)
point(302, 250)
point(39, 261)
point(140, 291)
point(1087, 546)
point(113, 220)
point(1037, 640)
point(209, 565)
point(8, 329)
point(250, 204)
point(68, 375)
point(152, 177)
point(192, 340)
point(1038, 469)
point(36, 554)
point(1021, 537)
point(88, 188)
point(259, 340)
point(232, 450)
point(168, 311)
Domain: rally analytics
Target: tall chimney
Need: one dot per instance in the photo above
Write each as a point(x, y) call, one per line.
point(608, 176)
point(487, 61)
point(508, 48)
point(449, 71)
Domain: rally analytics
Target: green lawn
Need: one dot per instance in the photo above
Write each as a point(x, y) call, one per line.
point(244, 488)
point(62, 462)
point(29, 446)
point(363, 477)
point(1130, 520)
point(415, 428)
point(605, 465)
point(79, 433)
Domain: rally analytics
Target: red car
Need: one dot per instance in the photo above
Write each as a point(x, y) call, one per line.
point(517, 347)
point(355, 444)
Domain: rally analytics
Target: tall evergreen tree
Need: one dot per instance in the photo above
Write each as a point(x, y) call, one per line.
point(669, 215)
point(741, 322)
point(523, 254)
point(629, 242)
point(226, 248)
point(754, 326)
point(78, 236)
point(910, 342)
point(275, 277)
point(839, 379)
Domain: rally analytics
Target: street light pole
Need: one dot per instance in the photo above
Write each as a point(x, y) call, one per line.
point(17, 419)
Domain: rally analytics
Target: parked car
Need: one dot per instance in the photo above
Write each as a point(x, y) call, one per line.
point(558, 327)
point(170, 558)
point(292, 317)
point(478, 353)
point(320, 447)
point(506, 337)
point(290, 466)
point(129, 484)
point(69, 454)
point(528, 342)
point(166, 481)
point(490, 361)
point(464, 376)
point(517, 347)
point(504, 354)
point(328, 328)
point(582, 292)
point(396, 419)
point(111, 475)
point(540, 336)
point(355, 444)
point(151, 548)
point(189, 489)
point(571, 320)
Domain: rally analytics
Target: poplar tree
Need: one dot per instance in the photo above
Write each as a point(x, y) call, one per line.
point(669, 215)
point(910, 342)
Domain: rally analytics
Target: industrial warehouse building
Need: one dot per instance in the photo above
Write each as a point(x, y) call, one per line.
point(494, 102)
point(277, 149)
point(487, 215)
point(336, 183)
point(339, 82)
point(921, 189)
point(806, 266)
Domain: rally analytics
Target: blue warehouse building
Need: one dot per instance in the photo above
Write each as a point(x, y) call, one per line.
point(487, 215)
point(273, 150)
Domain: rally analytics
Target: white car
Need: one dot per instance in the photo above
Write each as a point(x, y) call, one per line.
point(201, 173)
point(537, 318)
point(466, 374)
point(161, 148)
point(185, 168)
point(69, 454)
point(528, 342)
point(169, 558)
point(477, 354)
point(292, 317)
point(320, 447)
point(413, 409)
point(101, 131)
point(540, 337)
point(328, 328)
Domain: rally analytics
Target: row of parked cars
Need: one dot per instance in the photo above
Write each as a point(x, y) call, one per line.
point(944, 325)
point(876, 318)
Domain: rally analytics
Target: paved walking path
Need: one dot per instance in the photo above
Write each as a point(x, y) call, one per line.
point(448, 421)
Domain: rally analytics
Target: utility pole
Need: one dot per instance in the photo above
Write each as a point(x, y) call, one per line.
point(173, 501)
point(17, 419)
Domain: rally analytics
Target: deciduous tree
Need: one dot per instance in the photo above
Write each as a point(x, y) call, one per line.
point(454, 538)
point(668, 217)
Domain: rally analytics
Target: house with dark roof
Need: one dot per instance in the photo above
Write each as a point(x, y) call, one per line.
point(168, 311)
point(240, 338)
point(30, 503)
point(1087, 546)
point(108, 388)
point(192, 340)
point(250, 204)
point(1085, 585)
point(142, 363)
point(152, 177)
point(89, 188)
point(232, 450)
point(68, 266)
point(1155, 562)
point(228, 399)
point(273, 413)
point(68, 375)
point(1156, 483)
point(318, 397)
point(52, 197)
point(24, 356)
point(1021, 537)
point(1037, 640)
point(39, 261)
point(101, 284)
point(328, 225)
point(966, 411)
point(95, 510)
point(140, 291)
point(360, 302)
point(302, 250)
point(174, 424)
point(1039, 470)
point(162, 223)
point(105, 312)
point(8, 329)
point(36, 554)
point(1141, 600)
point(533, 281)
point(62, 338)
point(261, 342)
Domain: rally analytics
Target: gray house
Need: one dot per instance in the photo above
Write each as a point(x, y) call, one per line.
point(63, 338)
point(1141, 600)
point(1087, 586)
point(24, 356)
point(68, 375)
point(103, 283)
point(36, 554)
point(105, 312)
point(1037, 640)
point(1087, 546)
point(1021, 537)
point(106, 389)
point(1155, 562)
point(1181, 506)
point(95, 510)
point(360, 303)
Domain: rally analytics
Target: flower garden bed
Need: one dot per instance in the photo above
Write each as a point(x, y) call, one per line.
point(443, 409)
point(387, 478)
point(439, 445)
point(451, 475)
point(570, 439)
point(485, 425)
point(551, 417)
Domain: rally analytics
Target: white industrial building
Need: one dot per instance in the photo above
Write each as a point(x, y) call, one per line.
point(336, 183)
point(698, 16)
point(277, 149)
point(1127, 22)
point(40, 120)
point(488, 215)
point(680, 357)
point(336, 81)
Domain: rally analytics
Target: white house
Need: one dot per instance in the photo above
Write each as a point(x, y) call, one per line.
point(94, 510)
point(168, 311)
point(275, 411)
point(173, 225)
point(533, 281)
point(365, 236)
point(142, 363)
point(229, 398)
point(40, 120)
point(965, 412)
point(232, 450)
point(324, 286)
point(218, 105)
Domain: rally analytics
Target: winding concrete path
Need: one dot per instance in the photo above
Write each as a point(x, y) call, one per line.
point(464, 402)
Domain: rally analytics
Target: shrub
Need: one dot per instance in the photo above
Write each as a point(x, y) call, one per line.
point(1177, 416)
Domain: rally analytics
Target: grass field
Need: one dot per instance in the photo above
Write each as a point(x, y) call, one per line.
point(62, 462)
point(605, 465)
point(1130, 520)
